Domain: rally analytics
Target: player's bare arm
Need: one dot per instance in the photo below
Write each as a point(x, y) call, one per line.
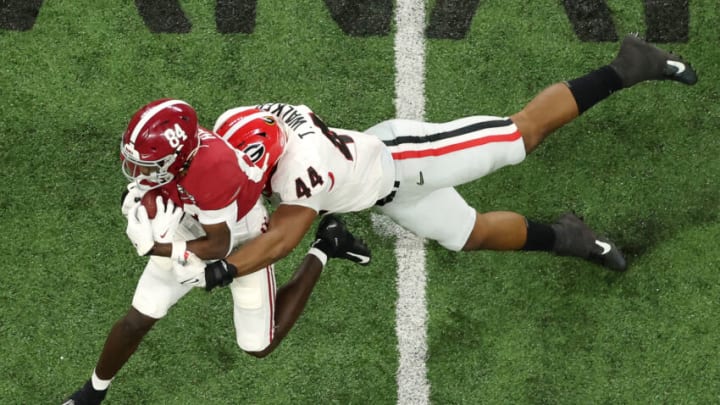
point(213, 246)
point(155, 237)
point(287, 226)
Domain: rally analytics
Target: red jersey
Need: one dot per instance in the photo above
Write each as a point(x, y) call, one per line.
point(221, 184)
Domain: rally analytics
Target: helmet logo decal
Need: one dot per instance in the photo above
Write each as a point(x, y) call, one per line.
point(255, 151)
point(130, 151)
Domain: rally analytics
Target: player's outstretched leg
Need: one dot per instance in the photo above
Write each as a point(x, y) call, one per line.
point(638, 61)
point(560, 103)
point(122, 341)
point(574, 238)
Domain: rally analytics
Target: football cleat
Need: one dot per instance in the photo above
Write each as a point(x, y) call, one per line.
point(87, 395)
point(575, 238)
point(638, 61)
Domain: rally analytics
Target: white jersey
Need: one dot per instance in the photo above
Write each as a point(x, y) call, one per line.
point(407, 168)
point(329, 169)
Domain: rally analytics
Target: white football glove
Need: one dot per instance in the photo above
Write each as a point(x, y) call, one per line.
point(132, 196)
point(166, 220)
point(139, 229)
point(190, 271)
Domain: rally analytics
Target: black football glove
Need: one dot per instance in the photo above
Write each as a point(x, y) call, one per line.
point(219, 274)
point(333, 239)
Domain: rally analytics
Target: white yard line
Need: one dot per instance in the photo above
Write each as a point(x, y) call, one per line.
point(410, 59)
point(411, 310)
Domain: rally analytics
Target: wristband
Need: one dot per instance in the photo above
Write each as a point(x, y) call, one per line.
point(322, 256)
point(178, 250)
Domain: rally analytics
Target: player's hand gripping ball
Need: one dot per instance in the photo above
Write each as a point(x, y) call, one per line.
point(163, 214)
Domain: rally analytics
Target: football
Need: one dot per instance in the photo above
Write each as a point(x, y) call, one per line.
point(148, 201)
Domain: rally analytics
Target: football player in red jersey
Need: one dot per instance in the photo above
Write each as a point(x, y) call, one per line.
point(208, 203)
point(408, 169)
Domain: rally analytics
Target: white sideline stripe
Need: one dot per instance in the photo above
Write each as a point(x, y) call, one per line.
point(411, 310)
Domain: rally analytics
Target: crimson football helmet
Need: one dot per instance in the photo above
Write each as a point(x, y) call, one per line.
point(259, 134)
point(159, 142)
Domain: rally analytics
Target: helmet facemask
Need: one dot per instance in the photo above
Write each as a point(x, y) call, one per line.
point(156, 174)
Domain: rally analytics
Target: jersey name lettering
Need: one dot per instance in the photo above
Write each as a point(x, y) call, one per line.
point(292, 118)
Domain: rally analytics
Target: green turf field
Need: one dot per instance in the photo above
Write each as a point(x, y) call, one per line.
point(503, 327)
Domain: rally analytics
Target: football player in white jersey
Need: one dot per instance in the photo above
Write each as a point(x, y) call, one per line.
point(408, 169)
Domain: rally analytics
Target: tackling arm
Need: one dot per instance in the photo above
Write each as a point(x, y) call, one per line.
point(287, 226)
point(331, 240)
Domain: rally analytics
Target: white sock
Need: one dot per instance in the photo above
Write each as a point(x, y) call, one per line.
point(98, 384)
point(319, 254)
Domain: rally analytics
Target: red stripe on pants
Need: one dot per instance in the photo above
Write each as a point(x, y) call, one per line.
point(414, 154)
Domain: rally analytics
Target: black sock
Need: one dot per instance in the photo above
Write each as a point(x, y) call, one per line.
point(594, 87)
point(539, 237)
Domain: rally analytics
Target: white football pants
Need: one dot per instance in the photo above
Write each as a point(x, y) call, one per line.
point(253, 294)
point(432, 158)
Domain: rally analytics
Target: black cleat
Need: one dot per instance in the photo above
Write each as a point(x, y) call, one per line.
point(638, 61)
point(575, 238)
point(87, 395)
